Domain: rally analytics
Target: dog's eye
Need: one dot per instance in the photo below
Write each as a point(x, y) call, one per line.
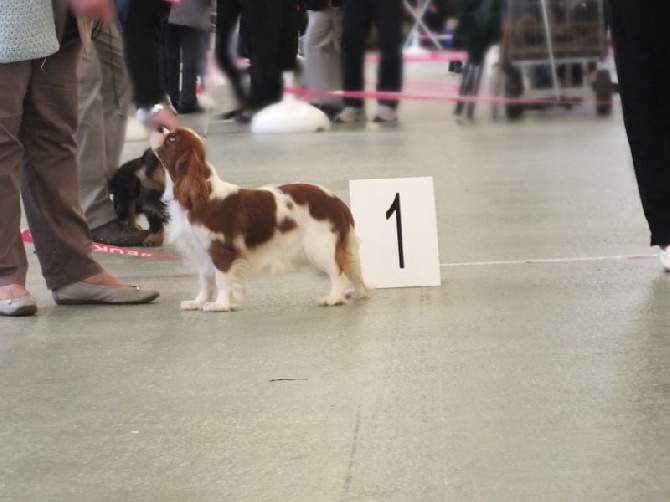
point(172, 137)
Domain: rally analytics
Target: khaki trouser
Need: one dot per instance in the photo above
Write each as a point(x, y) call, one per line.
point(104, 100)
point(38, 119)
point(322, 54)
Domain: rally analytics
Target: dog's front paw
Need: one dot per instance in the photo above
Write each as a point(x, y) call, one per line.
point(154, 240)
point(331, 301)
point(216, 307)
point(191, 305)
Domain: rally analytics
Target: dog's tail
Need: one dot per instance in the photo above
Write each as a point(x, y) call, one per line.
point(348, 259)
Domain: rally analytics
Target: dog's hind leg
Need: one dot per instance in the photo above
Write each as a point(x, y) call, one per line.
point(322, 254)
point(350, 261)
point(239, 273)
point(207, 279)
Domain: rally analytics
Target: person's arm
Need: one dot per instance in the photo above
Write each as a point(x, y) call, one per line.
point(92, 10)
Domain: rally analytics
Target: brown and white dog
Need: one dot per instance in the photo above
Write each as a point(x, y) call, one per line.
point(228, 232)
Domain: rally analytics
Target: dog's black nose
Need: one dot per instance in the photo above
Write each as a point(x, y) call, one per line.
point(161, 129)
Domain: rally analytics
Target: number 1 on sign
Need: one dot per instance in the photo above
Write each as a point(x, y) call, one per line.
point(395, 208)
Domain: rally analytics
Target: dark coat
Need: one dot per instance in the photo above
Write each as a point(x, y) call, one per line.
point(478, 27)
point(321, 4)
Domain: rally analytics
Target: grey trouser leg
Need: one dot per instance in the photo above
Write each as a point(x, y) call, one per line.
point(323, 67)
point(104, 101)
point(38, 119)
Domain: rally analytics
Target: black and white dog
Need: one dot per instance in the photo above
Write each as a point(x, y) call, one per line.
point(137, 188)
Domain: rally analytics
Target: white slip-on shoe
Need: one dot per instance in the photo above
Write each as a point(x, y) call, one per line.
point(18, 307)
point(350, 115)
point(82, 293)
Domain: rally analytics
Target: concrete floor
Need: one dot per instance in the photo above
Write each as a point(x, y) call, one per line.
point(512, 382)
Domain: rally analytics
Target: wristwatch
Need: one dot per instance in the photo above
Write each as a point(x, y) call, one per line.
point(146, 115)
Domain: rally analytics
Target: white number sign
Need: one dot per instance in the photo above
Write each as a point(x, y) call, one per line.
point(397, 227)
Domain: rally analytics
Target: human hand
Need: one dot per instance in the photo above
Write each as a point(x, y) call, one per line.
point(93, 10)
point(165, 117)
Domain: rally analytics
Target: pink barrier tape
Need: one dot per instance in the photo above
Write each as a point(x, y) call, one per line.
point(441, 87)
point(411, 57)
point(408, 57)
point(406, 96)
point(97, 247)
point(424, 57)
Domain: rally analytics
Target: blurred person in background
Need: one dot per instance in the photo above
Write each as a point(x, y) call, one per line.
point(322, 48)
point(358, 18)
point(641, 49)
point(104, 102)
point(183, 39)
point(142, 24)
point(269, 30)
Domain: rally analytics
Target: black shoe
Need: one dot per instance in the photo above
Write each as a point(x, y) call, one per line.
point(184, 110)
point(239, 116)
point(456, 66)
point(230, 115)
point(331, 111)
point(117, 233)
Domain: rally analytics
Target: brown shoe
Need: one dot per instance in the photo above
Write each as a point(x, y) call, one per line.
point(117, 233)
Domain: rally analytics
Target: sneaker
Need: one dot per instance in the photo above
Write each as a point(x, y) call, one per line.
point(664, 255)
point(350, 115)
point(117, 233)
point(385, 114)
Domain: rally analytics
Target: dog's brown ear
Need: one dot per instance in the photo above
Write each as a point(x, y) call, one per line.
point(191, 188)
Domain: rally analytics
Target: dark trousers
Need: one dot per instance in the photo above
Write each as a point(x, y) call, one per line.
point(273, 38)
point(357, 21)
point(142, 22)
point(182, 54)
point(642, 52)
point(228, 13)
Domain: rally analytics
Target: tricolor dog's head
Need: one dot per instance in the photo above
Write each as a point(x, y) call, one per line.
point(182, 153)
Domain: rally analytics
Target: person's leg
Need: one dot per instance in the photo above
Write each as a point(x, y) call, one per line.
point(322, 55)
point(227, 16)
point(49, 182)
point(288, 41)
point(14, 78)
point(171, 46)
point(356, 23)
point(641, 43)
point(104, 99)
point(264, 18)
point(203, 52)
point(142, 26)
point(190, 50)
point(388, 19)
